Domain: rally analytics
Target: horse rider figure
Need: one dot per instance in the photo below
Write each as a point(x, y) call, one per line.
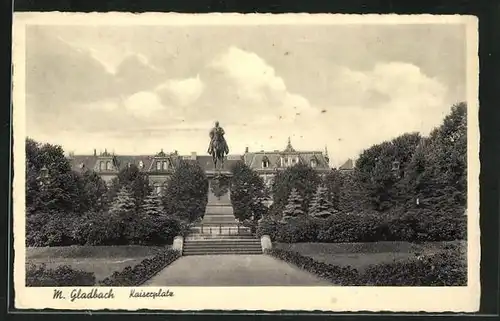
point(218, 146)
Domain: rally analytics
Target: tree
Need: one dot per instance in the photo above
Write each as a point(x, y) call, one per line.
point(248, 193)
point(152, 206)
point(93, 192)
point(122, 212)
point(293, 208)
point(300, 177)
point(437, 173)
point(321, 207)
point(333, 182)
point(153, 225)
point(135, 180)
point(59, 189)
point(382, 166)
point(186, 193)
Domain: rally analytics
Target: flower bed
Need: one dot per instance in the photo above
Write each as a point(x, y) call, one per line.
point(137, 275)
point(39, 275)
point(335, 274)
point(447, 268)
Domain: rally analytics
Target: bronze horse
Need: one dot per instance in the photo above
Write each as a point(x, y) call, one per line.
point(219, 151)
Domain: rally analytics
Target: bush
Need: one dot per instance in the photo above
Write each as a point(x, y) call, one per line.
point(447, 268)
point(50, 229)
point(367, 227)
point(137, 275)
point(336, 274)
point(150, 230)
point(39, 275)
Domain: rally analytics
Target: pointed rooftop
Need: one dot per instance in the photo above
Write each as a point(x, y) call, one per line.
point(289, 147)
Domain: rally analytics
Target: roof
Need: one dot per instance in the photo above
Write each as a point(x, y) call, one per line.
point(348, 165)
point(121, 161)
point(206, 161)
point(254, 160)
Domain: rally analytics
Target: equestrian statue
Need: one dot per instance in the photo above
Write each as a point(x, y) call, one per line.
point(218, 147)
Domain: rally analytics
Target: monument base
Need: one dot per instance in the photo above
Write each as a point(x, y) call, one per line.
point(219, 220)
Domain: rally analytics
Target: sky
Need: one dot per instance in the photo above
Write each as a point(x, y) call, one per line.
point(140, 89)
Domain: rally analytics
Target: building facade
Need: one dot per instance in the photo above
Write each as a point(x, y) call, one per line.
point(161, 165)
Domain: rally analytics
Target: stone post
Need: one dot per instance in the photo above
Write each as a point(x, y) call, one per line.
point(266, 243)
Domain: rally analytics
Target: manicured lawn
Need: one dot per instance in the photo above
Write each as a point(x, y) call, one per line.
point(361, 255)
point(102, 260)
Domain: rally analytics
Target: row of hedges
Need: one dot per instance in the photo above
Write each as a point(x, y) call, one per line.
point(137, 275)
point(447, 268)
point(39, 275)
point(360, 227)
point(336, 274)
point(103, 228)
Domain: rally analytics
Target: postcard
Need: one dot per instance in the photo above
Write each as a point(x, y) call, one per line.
point(265, 162)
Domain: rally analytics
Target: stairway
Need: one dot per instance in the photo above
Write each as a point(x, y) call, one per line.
point(217, 246)
point(219, 232)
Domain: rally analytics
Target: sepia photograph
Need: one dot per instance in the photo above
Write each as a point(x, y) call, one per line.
point(163, 154)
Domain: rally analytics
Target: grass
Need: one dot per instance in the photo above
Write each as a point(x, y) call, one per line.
point(101, 260)
point(362, 255)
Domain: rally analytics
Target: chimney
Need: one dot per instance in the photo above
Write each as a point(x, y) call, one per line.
point(95, 152)
point(193, 156)
point(246, 150)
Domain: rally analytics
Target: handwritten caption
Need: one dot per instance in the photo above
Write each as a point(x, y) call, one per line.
point(106, 294)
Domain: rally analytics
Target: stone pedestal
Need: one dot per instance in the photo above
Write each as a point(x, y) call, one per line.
point(219, 217)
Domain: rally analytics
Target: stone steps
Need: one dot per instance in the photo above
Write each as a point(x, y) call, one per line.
point(222, 246)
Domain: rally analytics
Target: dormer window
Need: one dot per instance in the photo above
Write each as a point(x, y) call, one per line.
point(108, 166)
point(165, 165)
point(158, 166)
point(265, 162)
point(102, 166)
point(141, 165)
point(313, 163)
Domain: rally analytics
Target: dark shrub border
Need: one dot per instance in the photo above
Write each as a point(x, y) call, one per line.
point(367, 227)
point(336, 274)
point(440, 269)
point(39, 275)
point(137, 275)
point(447, 268)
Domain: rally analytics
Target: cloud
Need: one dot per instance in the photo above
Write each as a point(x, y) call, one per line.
point(144, 105)
point(181, 92)
point(94, 91)
point(243, 87)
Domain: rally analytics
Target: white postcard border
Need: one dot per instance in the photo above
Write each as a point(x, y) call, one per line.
point(397, 299)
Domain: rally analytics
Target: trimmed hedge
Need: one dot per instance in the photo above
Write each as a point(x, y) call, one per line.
point(39, 275)
point(447, 268)
point(335, 274)
point(367, 227)
point(137, 275)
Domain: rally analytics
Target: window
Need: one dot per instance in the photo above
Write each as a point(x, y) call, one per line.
point(265, 163)
point(102, 166)
point(313, 163)
point(165, 165)
point(158, 166)
point(108, 166)
point(141, 164)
